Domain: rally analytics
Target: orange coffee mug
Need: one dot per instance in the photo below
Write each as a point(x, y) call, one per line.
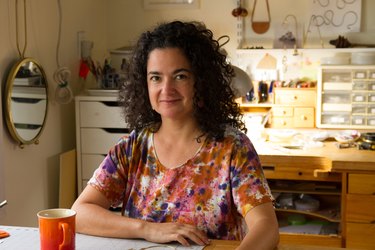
point(57, 229)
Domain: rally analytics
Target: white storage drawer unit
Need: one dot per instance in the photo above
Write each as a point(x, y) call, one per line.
point(99, 126)
point(346, 97)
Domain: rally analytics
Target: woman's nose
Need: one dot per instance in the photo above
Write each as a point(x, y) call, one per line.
point(168, 85)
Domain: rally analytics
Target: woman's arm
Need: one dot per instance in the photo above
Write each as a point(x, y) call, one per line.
point(263, 228)
point(94, 218)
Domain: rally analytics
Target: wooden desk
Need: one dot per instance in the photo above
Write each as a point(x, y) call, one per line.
point(351, 169)
point(335, 159)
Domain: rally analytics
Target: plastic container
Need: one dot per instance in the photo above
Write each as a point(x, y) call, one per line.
point(363, 58)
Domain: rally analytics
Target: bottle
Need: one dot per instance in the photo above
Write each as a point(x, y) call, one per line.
point(263, 92)
point(106, 73)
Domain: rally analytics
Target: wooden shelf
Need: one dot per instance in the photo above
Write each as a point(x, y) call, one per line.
point(320, 192)
point(332, 215)
point(256, 105)
point(307, 51)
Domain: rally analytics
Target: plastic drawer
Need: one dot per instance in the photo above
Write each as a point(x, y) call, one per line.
point(371, 110)
point(331, 97)
point(337, 86)
point(360, 85)
point(336, 119)
point(371, 85)
point(359, 97)
point(358, 120)
point(371, 97)
point(371, 120)
point(359, 109)
point(360, 74)
point(337, 76)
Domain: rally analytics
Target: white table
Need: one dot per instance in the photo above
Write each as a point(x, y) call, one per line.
point(27, 238)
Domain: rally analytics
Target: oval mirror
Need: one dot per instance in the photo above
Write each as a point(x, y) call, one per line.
point(26, 101)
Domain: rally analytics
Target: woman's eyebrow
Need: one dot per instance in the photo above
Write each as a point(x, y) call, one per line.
point(174, 72)
point(182, 70)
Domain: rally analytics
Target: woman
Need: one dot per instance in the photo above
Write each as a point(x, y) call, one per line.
point(186, 172)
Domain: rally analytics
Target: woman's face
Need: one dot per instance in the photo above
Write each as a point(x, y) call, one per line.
point(170, 83)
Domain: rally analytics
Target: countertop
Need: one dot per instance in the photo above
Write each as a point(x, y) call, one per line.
point(334, 159)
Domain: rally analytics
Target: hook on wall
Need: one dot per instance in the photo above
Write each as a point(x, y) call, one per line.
point(295, 52)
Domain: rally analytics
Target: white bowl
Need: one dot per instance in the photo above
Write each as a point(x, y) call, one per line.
point(347, 136)
point(281, 135)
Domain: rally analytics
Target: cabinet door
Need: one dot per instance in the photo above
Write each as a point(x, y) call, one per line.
point(360, 236)
point(305, 97)
point(282, 111)
point(360, 208)
point(282, 122)
point(361, 184)
point(303, 118)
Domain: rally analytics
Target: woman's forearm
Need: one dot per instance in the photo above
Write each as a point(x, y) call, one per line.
point(95, 220)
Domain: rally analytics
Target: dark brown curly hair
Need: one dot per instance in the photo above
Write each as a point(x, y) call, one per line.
point(211, 71)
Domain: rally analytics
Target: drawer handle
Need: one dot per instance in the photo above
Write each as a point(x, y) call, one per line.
point(26, 100)
point(372, 222)
point(269, 168)
point(111, 104)
point(303, 117)
point(117, 130)
point(295, 97)
point(321, 173)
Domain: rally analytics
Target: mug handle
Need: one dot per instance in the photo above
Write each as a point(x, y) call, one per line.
point(66, 238)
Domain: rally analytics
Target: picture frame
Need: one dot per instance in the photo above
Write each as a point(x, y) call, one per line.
point(170, 4)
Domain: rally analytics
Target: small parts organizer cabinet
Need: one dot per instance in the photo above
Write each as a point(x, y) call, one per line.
point(346, 97)
point(360, 211)
point(294, 108)
point(99, 125)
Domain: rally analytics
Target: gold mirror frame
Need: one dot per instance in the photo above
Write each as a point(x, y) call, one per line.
point(9, 90)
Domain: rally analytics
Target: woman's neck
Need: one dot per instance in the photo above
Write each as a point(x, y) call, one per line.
point(182, 130)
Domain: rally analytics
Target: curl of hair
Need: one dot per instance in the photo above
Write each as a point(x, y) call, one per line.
point(214, 104)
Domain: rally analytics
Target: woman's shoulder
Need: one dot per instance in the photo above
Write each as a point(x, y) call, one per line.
point(136, 136)
point(235, 134)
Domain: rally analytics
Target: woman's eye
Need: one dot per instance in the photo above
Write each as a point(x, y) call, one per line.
point(181, 77)
point(154, 78)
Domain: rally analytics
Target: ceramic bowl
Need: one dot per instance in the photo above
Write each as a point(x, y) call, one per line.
point(347, 136)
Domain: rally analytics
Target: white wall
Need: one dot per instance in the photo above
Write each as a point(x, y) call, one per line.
point(127, 19)
point(29, 176)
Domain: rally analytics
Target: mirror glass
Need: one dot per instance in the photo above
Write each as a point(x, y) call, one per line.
point(26, 101)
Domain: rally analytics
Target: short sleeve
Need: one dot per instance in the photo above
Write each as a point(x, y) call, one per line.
point(249, 185)
point(110, 178)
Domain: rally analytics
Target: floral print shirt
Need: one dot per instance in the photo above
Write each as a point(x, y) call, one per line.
point(213, 190)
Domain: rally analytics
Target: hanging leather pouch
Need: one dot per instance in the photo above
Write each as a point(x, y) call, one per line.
point(260, 27)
